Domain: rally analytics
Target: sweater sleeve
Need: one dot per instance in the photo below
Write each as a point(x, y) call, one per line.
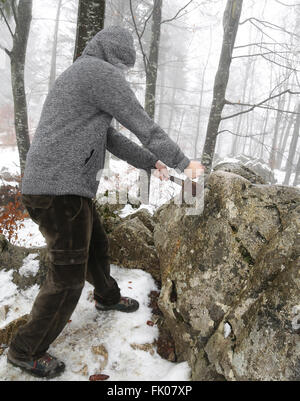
point(129, 151)
point(112, 94)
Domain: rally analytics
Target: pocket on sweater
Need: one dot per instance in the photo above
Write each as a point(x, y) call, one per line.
point(90, 159)
point(92, 166)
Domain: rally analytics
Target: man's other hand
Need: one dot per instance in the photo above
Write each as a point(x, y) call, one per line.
point(161, 171)
point(194, 169)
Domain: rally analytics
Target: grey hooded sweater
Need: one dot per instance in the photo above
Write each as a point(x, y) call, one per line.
point(74, 131)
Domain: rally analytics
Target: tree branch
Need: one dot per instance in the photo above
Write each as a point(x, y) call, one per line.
point(280, 65)
point(6, 22)
point(287, 5)
point(244, 136)
point(181, 9)
point(270, 52)
point(13, 7)
point(145, 58)
point(5, 49)
point(253, 106)
point(270, 25)
point(258, 44)
point(146, 21)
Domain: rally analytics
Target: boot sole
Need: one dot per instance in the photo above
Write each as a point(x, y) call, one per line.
point(56, 373)
point(126, 310)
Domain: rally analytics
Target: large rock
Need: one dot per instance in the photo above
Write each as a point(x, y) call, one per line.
point(230, 280)
point(12, 258)
point(132, 246)
point(130, 238)
point(109, 205)
point(253, 169)
point(8, 332)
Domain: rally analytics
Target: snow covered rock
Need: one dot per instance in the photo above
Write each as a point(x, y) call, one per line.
point(234, 266)
point(29, 265)
point(254, 170)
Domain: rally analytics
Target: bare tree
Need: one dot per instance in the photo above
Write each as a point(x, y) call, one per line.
point(292, 149)
point(151, 75)
point(21, 13)
point(297, 173)
point(54, 46)
point(274, 149)
point(230, 26)
point(199, 115)
point(291, 121)
point(91, 15)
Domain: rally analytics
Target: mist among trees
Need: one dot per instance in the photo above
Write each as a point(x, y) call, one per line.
point(220, 77)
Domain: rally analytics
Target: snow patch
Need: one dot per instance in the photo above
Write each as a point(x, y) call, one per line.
point(227, 330)
point(8, 288)
point(115, 331)
point(30, 265)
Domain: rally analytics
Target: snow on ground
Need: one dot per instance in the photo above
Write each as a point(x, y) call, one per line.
point(116, 331)
point(9, 159)
point(28, 236)
point(119, 333)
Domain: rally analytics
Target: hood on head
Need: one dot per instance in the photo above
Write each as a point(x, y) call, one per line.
point(113, 44)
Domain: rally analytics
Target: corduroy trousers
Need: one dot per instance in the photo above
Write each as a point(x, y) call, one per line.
point(78, 249)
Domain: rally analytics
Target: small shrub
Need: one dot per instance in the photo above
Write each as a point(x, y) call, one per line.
point(12, 214)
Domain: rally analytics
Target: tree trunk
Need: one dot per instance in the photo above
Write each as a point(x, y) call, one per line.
point(275, 149)
point(285, 139)
point(17, 59)
point(297, 175)
point(236, 140)
point(151, 73)
point(200, 100)
point(151, 67)
point(282, 134)
point(54, 47)
point(91, 15)
point(173, 106)
point(264, 130)
point(230, 25)
point(292, 150)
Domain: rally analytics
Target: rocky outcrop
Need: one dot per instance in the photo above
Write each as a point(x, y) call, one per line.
point(243, 171)
point(230, 280)
point(12, 258)
point(7, 332)
point(253, 169)
point(131, 242)
point(132, 245)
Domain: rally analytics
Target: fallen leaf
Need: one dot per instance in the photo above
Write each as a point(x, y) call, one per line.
point(148, 347)
point(98, 377)
point(102, 351)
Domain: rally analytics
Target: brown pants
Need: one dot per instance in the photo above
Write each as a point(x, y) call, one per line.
point(78, 250)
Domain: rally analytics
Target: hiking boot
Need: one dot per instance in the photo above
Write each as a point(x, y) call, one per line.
point(45, 366)
point(124, 305)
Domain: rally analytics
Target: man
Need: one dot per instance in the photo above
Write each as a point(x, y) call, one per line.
point(59, 183)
